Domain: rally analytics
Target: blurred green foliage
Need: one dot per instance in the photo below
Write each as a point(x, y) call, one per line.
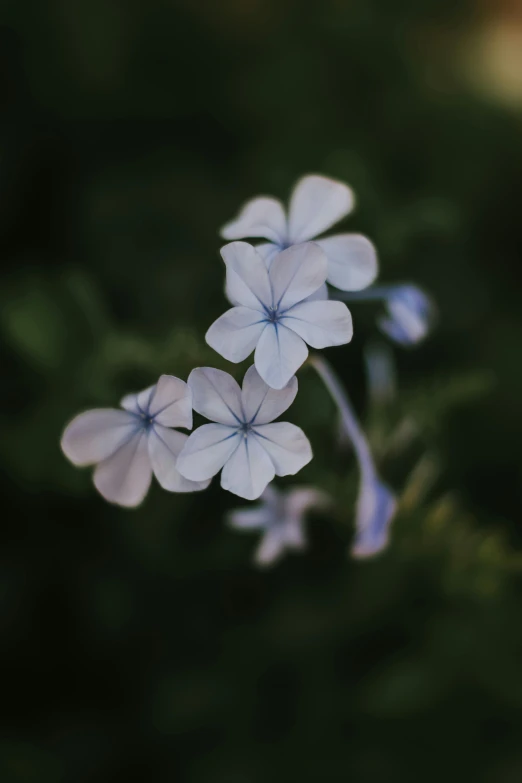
point(143, 645)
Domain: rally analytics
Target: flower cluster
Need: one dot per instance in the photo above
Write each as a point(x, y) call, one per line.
point(281, 305)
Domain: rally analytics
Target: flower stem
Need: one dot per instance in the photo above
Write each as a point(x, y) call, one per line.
point(348, 417)
point(375, 294)
point(376, 504)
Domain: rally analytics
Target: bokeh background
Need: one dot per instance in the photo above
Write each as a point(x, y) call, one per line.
point(144, 646)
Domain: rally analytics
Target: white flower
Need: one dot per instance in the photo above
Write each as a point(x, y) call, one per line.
point(315, 205)
point(242, 440)
point(271, 315)
point(410, 314)
point(280, 516)
point(128, 445)
point(376, 507)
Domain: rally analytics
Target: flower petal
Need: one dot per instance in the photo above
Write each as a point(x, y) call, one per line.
point(316, 204)
point(234, 334)
point(261, 403)
point(216, 395)
point(296, 273)
point(318, 296)
point(279, 354)
point(250, 518)
point(171, 403)
point(165, 446)
point(293, 533)
point(287, 445)
point(272, 498)
point(229, 293)
point(376, 506)
point(271, 548)
point(247, 276)
point(268, 251)
point(260, 217)
point(248, 470)
point(124, 478)
point(94, 435)
point(404, 330)
point(320, 324)
point(138, 402)
point(300, 499)
point(352, 261)
point(206, 451)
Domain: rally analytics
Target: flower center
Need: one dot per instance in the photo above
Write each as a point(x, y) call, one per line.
point(272, 315)
point(244, 429)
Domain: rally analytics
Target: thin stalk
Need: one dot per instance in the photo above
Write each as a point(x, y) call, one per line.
point(376, 504)
point(348, 417)
point(375, 294)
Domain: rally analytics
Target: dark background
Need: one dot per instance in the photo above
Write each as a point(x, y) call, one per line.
point(144, 646)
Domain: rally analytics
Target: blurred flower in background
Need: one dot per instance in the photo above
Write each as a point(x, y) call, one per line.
point(410, 315)
point(410, 312)
point(280, 517)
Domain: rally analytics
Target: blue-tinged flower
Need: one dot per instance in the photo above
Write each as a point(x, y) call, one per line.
point(409, 315)
point(410, 312)
point(271, 315)
point(280, 517)
point(128, 445)
point(315, 205)
point(376, 507)
point(242, 440)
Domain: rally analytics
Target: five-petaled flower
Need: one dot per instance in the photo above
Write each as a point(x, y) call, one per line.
point(280, 517)
point(271, 314)
point(242, 440)
point(128, 445)
point(316, 204)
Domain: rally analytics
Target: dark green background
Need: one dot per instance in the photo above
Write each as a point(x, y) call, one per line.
point(143, 646)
